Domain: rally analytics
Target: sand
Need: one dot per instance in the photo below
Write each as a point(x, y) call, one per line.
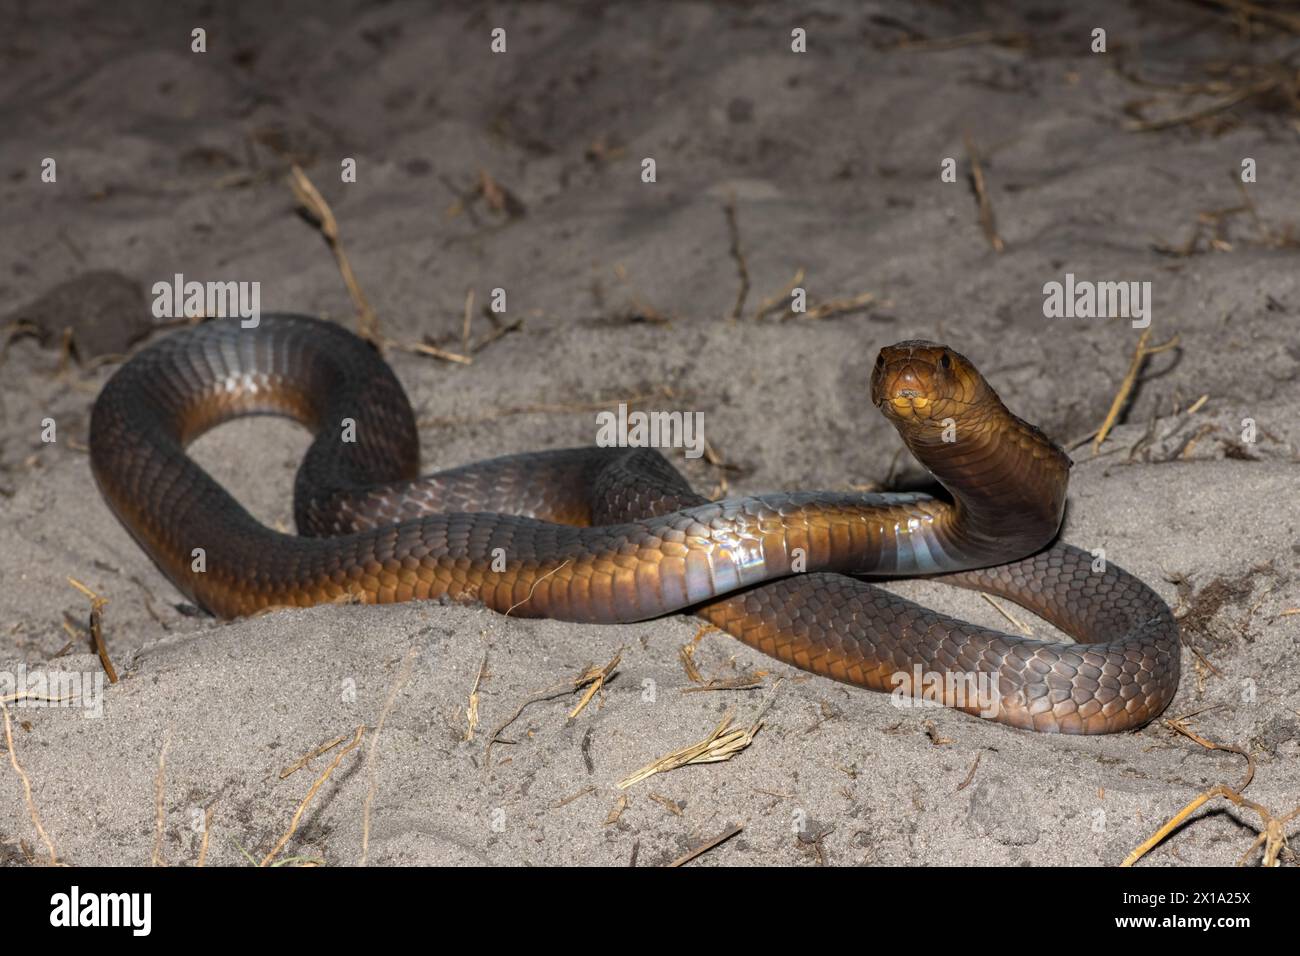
point(172, 162)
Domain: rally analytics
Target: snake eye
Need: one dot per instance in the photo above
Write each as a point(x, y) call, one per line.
point(880, 360)
point(945, 361)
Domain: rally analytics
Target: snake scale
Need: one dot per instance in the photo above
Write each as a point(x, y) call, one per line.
point(616, 535)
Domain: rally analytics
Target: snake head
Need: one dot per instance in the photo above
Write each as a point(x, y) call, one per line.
point(919, 383)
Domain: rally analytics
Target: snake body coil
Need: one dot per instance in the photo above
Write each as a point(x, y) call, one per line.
point(610, 535)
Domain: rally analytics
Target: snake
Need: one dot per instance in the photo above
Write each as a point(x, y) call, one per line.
point(617, 535)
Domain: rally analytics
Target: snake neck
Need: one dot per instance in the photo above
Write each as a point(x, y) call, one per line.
point(1007, 479)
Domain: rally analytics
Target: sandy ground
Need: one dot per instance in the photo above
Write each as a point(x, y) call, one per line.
point(170, 161)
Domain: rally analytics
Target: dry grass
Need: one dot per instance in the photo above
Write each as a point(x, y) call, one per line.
point(616, 810)
point(97, 604)
point(311, 795)
point(722, 744)
point(738, 256)
point(1224, 84)
point(1211, 230)
point(306, 759)
point(533, 590)
point(314, 203)
point(781, 304)
point(471, 707)
point(971, 773)
point(918, 43)
point(495, 196)
point(772, 303)
point(750, 680)
point(667, 803)
point(585, 791)
point(1017, 623)
point(707, 845)
point(1239, 95)
point(1273, 835)
point(987, 221)
point(1140, 356)
point(27, 786)
point(591, 677)
point(207, 834)
point(372, 784)
point(159, 792)
point(430, 350)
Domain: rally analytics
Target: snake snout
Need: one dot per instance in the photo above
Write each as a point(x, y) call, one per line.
point(903, 388)
point(907, 384)
point(916, 382)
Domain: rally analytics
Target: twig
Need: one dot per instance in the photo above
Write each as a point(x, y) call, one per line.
point(27, 786)
point(14, 698)
point(834, 307)
point(1181, 726)
point(722, 744)
point(469, 315)
point(1273, 837)
point(311, 199)
point(424, 348)
point(16, 329)
point(616, 810)
point(751, 681)
point(987, 222)
point(720, 464)
point(742, 270)
point(97, 627)
point(971, 775)
point(1242, 8)
point(302, 807)
point(667, 803)
point(748, 681)
point(471, 708)
point(533, 589)
point(707, 846)
point(1140, 355)
point(588, 675)
point(1013, 40)
point(307, 758)
point(148, 602)
point(577, 796)
point(495, 334)
point(595, 684)
point(497, 197)
point(687, 656)
point(1023, 628)
point(403, 675)
point(1241, 95)
point(770, 305)
point(936, 738)
point(159, 790)
point(207, 832)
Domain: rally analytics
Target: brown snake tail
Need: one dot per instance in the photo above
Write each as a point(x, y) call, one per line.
point(609, 535)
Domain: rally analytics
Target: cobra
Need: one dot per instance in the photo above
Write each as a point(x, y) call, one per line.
point(616, 535)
